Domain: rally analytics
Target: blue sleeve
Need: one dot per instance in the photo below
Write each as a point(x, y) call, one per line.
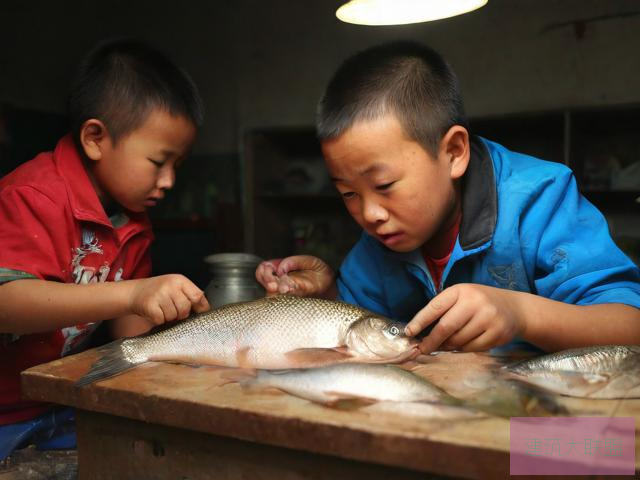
point(359, 278)
point(577, 261)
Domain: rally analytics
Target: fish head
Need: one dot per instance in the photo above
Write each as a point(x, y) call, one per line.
point(376, 338)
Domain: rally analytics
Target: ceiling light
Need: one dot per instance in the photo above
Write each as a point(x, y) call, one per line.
point(401, 12)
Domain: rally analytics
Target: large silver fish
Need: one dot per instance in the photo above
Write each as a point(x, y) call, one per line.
point(271, 333)
point(604, 371)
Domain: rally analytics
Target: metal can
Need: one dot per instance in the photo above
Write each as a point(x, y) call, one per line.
point(232, 278)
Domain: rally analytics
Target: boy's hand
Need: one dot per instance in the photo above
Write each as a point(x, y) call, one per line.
point(167, 297)
point(301, 275)
point(471, 318)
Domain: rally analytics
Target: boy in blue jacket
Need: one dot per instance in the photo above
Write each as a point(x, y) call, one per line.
point(482, 244)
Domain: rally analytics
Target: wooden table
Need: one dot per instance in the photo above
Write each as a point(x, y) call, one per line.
point(165, 421)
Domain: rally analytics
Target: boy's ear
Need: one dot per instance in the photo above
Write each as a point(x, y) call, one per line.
point(455, 147)
point(93, 138)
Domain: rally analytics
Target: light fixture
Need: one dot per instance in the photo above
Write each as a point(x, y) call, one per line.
point(401, 12)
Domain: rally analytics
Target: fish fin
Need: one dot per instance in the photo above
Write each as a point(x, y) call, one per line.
point(284, 371)
point(253, 384)
point(342, 401)
point(422, 358)
point(410, 365)
point(544, 406)
point(110, 364)
point(316, 357)
point(596, 378)
point(255, 388)
point(236, 375)
point(242, 357)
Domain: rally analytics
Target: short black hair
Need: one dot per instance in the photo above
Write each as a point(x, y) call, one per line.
point(121, 81)
point(407, 79)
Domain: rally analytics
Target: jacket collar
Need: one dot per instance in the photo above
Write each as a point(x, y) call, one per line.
point(479, 199)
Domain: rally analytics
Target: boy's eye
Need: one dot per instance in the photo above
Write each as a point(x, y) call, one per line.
point(384, 186)
point(157, 163)
point(348, 194)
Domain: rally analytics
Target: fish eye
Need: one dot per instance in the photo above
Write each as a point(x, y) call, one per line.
point(392, 332)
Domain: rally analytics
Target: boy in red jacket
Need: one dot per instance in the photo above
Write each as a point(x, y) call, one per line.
point(74, 233)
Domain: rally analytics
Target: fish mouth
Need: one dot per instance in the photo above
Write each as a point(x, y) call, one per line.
point(410, 354)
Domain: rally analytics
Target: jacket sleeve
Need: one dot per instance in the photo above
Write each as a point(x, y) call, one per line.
point(577, 261)
point(31, 225)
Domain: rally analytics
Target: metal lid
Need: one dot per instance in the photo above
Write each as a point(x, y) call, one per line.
point(232, 260)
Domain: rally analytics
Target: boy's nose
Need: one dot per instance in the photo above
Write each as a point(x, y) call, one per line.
point(166, 179)
point(373, 212)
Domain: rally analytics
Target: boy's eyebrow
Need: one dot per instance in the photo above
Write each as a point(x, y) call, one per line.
point(374, 168)
point(167, 153)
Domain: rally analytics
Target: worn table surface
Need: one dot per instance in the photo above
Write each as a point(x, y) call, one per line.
point(420, 437)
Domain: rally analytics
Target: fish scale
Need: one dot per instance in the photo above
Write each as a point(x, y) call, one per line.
point(264, 334)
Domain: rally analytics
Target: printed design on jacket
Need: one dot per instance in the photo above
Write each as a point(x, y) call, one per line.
point(504, 276)
point(75, 336)
point(84, 274)
point(86, 269)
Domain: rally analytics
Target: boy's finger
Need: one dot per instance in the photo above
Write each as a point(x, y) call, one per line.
point(435, 309)
point(198, 299)
point(466, 334)
point(201, 305)
point(183, 306)
point(286, 284)
point(267, 277)
point(169, 310)
point(156, 315)
point(269, 268)
point(192, 292)
point(482, 342)
point(450, 323)
point(287, 265)
point(298, 263)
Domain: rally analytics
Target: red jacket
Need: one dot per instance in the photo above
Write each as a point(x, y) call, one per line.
point(53, 227)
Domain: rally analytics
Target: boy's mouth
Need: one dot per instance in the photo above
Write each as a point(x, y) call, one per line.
point(152, 201)
point(390, 238)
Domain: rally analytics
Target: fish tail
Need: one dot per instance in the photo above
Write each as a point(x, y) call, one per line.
point(110, 364)
point(514, 399)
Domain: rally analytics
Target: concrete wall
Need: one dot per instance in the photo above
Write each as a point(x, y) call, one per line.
point(262, 63)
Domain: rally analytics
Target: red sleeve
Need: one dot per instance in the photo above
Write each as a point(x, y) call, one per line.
point(34, 234)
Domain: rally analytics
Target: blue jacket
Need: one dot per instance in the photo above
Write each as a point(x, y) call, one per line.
point(525, 227)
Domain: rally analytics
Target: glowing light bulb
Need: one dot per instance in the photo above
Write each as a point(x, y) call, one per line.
point(401, 12)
